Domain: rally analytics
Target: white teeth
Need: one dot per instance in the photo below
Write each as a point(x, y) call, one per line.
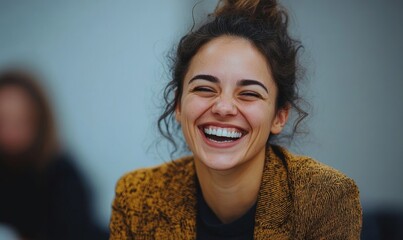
point(214, 132)
point(222, 132)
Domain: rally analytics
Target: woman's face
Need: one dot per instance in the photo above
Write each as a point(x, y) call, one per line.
point(228, 105)
point(17, 121)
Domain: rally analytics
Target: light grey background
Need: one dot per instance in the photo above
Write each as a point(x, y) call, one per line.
point(104, 64)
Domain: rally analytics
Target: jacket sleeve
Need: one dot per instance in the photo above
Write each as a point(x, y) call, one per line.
point(342, 217)
point(119, 228)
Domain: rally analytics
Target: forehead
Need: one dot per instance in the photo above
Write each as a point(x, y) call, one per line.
point(229, 57)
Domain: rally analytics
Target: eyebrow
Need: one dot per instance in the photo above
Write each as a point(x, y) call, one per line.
point(247, 82)
point(206, 77)
point(243, 82)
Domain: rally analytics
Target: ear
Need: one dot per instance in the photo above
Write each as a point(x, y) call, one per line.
point(280, 120)
point(178, 112)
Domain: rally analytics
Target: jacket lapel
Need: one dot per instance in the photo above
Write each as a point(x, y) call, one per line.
point(274, 204)
point(180, 204)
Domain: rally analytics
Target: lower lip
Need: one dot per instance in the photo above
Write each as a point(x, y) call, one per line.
point(215, 144)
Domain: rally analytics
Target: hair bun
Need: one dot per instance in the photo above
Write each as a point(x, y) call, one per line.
point(255, 9)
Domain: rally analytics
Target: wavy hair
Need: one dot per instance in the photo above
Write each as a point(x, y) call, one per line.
point(265, 24)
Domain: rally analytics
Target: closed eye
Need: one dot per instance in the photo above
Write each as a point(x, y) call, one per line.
point(202, 89)
point(251, 94)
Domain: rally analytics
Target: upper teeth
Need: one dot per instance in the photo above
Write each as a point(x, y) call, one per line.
point(223, 132)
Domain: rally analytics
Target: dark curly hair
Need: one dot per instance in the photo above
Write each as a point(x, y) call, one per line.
point(265, 24)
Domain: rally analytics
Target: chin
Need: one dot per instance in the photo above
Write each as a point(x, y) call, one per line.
point(220, 162)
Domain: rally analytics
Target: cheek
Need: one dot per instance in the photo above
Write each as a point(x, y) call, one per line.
point(17, 135)
point(259, 116)
point(193, 107)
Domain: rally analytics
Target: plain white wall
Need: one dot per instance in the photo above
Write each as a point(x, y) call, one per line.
point(104, 65)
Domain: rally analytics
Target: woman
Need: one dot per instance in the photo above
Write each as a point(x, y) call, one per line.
point(42, 193)
point(234, 85)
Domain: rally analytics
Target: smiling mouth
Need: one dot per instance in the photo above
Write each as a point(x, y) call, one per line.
point(222, 135)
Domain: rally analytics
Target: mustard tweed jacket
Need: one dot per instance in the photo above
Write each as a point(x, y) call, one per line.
point(303, 200)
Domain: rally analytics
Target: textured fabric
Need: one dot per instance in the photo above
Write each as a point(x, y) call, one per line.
point(299, 198)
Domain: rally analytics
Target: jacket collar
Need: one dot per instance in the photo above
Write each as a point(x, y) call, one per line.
point(274, 203)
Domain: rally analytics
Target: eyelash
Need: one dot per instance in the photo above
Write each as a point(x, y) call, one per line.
point(210, 90)
point(202, 89)
point(251, 94)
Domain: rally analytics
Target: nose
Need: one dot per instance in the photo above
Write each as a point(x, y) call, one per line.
point(224, 107)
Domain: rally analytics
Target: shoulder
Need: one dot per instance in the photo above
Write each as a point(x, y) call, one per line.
point(153, 198)
point(62, 163)
point(64, 179)
point(316, 184)
point(153, 182)
point(326, 201)
point(154, 176)
point(311, 175)
point(63, 168)
point(149, 197)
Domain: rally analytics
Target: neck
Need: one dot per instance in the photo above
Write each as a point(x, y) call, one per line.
point(231, 193)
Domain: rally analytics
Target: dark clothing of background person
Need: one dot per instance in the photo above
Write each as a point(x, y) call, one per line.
point(382, 223)
point(52, 203)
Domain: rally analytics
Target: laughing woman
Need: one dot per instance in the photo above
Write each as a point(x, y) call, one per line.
point(234, 84)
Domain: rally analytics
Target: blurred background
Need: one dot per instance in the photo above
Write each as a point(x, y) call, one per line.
point(104, 65)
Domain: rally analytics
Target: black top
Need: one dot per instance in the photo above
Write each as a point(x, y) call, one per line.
point(210, 227)
point(52, 203)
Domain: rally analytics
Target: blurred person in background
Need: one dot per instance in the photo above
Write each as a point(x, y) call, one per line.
point(43, 195)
